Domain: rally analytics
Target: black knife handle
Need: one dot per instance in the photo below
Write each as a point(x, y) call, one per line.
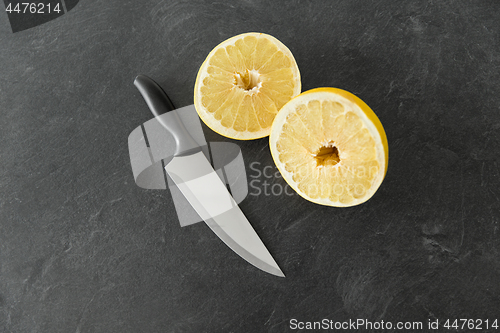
point(153, 94)
point(159, 103)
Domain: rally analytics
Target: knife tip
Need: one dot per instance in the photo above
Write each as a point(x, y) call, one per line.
point(271, 269)
point(278, 273)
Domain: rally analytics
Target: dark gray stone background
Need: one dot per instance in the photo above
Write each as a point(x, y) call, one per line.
point(83, 249)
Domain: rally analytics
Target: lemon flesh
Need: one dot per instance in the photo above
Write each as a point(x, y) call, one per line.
point(243, 83)
point(330, 147)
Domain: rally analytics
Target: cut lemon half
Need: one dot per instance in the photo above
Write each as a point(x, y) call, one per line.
point(330, 147)
point(243, 83)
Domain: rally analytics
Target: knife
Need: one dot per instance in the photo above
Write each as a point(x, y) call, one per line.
point(199, 183)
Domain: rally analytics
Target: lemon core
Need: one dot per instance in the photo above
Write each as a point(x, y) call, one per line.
point(327, 154)
point(249, 80)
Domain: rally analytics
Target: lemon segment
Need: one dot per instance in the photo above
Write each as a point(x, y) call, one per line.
point(243, 83)
point(330, 147)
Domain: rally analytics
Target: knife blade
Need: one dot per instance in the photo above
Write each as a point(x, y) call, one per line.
point(199, 183)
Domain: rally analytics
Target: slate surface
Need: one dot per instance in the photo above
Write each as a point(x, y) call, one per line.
point(83, 249)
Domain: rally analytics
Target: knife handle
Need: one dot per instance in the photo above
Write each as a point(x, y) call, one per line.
point(159, 103)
